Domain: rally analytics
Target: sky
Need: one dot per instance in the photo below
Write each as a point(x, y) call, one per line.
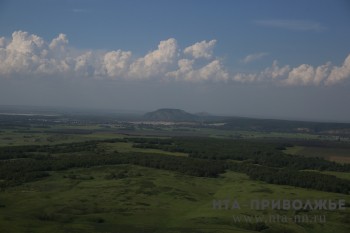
point(267, 59)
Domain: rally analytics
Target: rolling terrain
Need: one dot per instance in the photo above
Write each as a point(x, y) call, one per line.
point(89, 173)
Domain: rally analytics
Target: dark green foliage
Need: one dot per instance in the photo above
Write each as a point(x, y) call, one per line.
point(263, 153)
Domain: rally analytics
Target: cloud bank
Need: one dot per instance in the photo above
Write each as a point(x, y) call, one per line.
point(27, 55)
point(30, 55)
point(302, 75)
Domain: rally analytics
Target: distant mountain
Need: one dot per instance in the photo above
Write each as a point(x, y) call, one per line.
point(203, 114)
point(168, 114)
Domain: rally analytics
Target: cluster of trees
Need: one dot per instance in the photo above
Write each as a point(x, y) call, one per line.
point(70, 131)
point(149, 142)
point(285, 176)
point(17, 171)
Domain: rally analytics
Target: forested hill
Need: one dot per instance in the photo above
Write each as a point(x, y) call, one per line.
point(168, 114)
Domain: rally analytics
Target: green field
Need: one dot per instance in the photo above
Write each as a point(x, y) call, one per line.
point(150, 200)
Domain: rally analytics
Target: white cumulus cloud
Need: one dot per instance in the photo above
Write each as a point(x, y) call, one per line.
point(245, 78)
point(2, 42)
point(155, 62)
point(201, 49)
point(116, 63)
point(339, 74)
point(307, 75)
point(213, 71)
point(275, 71)
point(302, 75)
point(269, 74)
point(253, 57)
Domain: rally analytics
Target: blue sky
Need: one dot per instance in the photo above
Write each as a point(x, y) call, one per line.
point(280, 59)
